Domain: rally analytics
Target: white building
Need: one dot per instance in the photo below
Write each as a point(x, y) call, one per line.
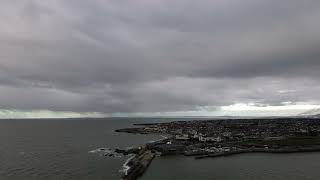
point(210, 139)
point(182, 137)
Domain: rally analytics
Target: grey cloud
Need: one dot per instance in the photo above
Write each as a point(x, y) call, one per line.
point(145, 56)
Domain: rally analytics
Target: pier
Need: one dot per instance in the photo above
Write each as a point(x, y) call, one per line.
point(137, 165)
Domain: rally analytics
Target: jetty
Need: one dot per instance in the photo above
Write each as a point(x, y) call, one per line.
point(137, 165)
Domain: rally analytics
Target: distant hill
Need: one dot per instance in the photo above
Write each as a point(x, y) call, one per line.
point(311, 113)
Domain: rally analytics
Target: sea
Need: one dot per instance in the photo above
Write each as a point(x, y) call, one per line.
point(59, 149)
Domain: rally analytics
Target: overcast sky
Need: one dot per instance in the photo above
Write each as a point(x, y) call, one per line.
point(157, 56)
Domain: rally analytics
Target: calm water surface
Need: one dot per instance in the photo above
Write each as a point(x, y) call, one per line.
point(303, 166)
point(58, 150)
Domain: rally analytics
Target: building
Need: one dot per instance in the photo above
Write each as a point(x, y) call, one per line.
point(183, 137)
point(210, 139)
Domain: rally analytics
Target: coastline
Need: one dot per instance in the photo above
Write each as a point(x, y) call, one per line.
point(135, 166)
point(222, 138)
point(138, 164)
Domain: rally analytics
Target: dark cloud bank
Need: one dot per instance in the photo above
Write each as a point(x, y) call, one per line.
point(157, 56)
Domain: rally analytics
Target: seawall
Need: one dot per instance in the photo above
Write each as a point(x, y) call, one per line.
point(259, 150)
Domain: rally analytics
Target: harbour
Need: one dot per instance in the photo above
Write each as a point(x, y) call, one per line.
point(222, 138)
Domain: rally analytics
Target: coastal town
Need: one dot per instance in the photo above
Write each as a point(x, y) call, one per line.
point(215, 138)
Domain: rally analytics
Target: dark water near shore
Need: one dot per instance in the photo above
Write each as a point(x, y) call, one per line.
point(301, 166)
point(58, 150)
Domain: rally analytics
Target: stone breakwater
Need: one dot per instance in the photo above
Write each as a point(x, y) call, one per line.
point(137, 165)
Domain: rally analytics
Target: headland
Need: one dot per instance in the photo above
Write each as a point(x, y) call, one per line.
point(215, 138)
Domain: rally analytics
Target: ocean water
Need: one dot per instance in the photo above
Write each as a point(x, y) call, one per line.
point(58, 150)
point(299, 166)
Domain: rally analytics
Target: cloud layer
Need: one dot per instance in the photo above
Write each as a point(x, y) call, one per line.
point(156, 56)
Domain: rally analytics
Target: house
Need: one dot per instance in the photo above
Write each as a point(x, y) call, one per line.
point(210, 139)
point(183, 137)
